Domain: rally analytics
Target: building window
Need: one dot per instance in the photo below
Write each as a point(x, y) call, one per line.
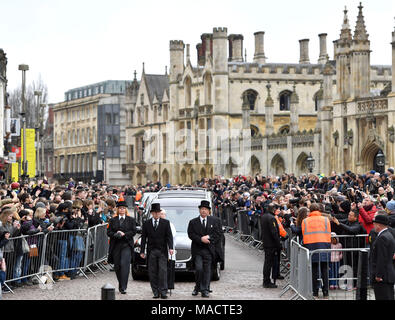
point(88, 132)
point(116, 118)
point(251, 98)
point(188, 92)
point(166, 112)
point(115, 141)
point(285, 98)
point(108, 119)
point(132, 152)
point(164, 138)
point(131, 116)
point(94, 135)
point(284, 129)
point(155, 114)
point(254, 131)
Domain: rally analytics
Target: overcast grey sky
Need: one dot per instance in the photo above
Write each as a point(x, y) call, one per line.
point(78, 42)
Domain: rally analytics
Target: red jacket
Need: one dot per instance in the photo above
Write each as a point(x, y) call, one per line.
point(366, 218)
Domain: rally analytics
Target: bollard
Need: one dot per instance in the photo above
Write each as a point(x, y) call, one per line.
point(362, 282)
point(108, 292)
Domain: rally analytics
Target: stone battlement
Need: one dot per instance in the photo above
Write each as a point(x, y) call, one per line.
point(220, 32)
point(177, 45)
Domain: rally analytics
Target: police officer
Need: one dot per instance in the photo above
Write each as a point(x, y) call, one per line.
point(271, 245)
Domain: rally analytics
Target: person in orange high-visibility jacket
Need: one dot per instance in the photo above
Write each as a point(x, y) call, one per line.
point(138, 196)
point(316, 230)
point(281, 229)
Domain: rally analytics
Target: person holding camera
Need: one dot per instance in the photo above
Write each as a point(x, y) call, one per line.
point(62, 222)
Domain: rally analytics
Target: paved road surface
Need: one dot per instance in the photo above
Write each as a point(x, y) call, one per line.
point(241, 280)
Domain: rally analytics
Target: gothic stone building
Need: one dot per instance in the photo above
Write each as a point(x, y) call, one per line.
point(225, 115)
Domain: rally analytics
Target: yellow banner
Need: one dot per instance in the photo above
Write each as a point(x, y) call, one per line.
point(30, 151)
point(15, 171)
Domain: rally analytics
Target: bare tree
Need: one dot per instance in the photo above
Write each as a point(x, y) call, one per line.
point(32, 109)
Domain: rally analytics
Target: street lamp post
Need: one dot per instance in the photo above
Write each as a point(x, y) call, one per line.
point(23, 68)
point(310, 162)
point(102, 163)
point(43, 106)
point(38, 94)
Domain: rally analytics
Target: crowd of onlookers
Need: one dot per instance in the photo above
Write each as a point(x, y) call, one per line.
point(350, 200)
point(38, 208)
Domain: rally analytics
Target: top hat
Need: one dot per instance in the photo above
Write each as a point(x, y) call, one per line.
point(155, 207)
point(382, 219)
point(122, 204)
point(205, 204)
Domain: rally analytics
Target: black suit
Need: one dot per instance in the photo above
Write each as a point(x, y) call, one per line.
point(158, 244)
point(272, 246)
point(382, 266)
point(120, 250)
point(203, 255)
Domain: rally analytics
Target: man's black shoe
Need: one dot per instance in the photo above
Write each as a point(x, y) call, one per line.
point(269, 285)
point(163, 296)
point(280, 278)
point(205, 294)
point(195, 292)
point(156, 296)
point(122, 291)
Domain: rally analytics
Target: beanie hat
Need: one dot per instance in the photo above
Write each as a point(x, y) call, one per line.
point(391, 170)
point(391, 206)
point(40, 205)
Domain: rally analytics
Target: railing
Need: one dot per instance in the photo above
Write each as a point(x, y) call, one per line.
point(348, 277)
point(343, 273)
point(45, 256)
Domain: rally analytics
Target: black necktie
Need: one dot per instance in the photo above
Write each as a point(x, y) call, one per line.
point(121, 221)
point(204, 224)
point(155, 224)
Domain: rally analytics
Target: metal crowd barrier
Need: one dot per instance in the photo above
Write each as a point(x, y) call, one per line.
point(348, 278)
point(43, 256)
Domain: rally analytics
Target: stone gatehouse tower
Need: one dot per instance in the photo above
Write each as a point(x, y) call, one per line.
point(225, 115)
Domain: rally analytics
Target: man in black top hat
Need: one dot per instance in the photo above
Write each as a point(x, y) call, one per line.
point(382, 260)
point(205, 233)
point(156, 234)
point(121, 230)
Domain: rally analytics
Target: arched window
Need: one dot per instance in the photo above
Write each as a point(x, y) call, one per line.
point(207, 88)
point(284, 129)
point(251, 97)
point(254, 131)
point(316, 100)
point(188, 93)
point(285, 97)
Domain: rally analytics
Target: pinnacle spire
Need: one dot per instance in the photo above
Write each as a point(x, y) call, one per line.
point(345, 32)
point(294, 97)
point(269, 101)
point(360, 28)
